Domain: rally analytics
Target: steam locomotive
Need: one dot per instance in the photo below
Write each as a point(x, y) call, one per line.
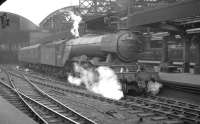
point(119, 51)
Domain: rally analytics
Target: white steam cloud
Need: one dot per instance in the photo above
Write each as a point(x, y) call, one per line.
point(76, 20)
point(154, 87)
point(101, 80)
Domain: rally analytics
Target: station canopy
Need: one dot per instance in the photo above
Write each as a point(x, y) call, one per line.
point(35, 10)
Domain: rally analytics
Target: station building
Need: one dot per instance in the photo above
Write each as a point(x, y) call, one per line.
point(16, 32)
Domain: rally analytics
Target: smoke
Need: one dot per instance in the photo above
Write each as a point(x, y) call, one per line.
point(17, 67)
point(76, 20)
point(101, 80)
point(26, 70)
point(154, 87)
point(74, 80)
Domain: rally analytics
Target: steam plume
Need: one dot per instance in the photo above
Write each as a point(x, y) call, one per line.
point(76, 20)
point(101, 80)
point(154, 87)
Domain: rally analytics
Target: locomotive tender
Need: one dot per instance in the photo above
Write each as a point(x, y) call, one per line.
point(115, 50)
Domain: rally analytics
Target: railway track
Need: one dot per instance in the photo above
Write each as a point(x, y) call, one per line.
point(185, 111)
point(15, 98)
point(147, 107)
point(185, 88)
point(163, 109)
point(47, 108)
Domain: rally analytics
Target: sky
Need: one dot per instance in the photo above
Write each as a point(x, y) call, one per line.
point(35, 10)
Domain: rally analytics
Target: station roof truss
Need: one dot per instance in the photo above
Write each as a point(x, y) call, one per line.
point(92, 12)
point(94, 7)
point(88, 9)
point(104, 14)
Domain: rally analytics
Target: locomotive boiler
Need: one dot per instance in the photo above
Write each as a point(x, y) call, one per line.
point(122, 46)
point(114, 50)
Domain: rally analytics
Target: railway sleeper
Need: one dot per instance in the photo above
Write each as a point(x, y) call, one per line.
point(35, 97)
point(181, 103)
point(145, 114)
point(135, 111)
point(159, 118)
point(48, 117)
point(56, 108)
point(22, 108)
point(59, 110)
point(19, 104)
point(54, 120)
point(28, 113)
point(44, 102)
point(41, 100)
point(73, 116)
point(173, 122)
point(53, 106)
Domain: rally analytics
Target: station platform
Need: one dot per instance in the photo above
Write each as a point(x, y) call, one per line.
point(184, 79)
point(11, 115)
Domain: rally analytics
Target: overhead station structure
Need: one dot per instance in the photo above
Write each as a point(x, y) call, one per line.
point(103, 15)
point(15, 32)
point(180, 18)
point(97, 15)
point(94, 7)
point(87, 9)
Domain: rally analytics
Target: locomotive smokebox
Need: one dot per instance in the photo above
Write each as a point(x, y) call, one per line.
point(124, 44)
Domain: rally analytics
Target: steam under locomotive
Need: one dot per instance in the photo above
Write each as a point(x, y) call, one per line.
point(118, 51)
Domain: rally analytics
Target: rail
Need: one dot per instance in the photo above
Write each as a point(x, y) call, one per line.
point(53, 106)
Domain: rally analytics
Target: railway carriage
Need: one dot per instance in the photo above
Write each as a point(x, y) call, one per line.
point(30, 54)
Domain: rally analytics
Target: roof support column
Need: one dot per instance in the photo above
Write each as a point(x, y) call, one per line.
point(164, 58)
point(186, 53)
point(197, 51)
point(164, 50)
